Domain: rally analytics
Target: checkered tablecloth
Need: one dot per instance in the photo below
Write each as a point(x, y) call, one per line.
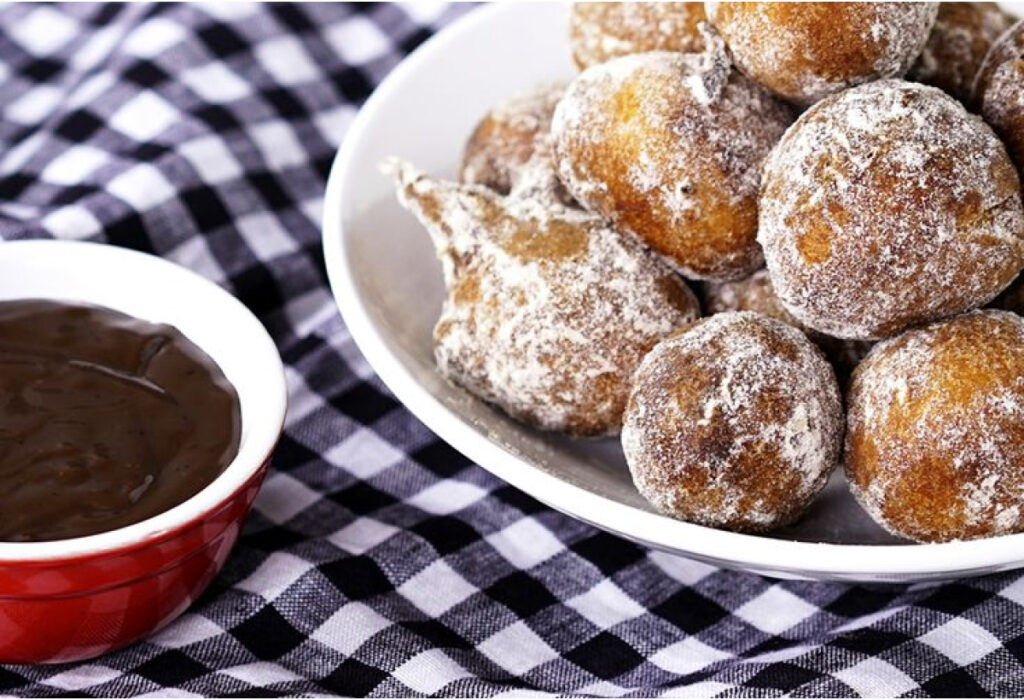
point(378, 560)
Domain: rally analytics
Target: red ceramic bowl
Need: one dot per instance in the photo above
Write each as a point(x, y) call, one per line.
point(74, 599)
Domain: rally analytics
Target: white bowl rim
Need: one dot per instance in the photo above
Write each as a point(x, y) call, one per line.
point(826, 561)
point(262, 434)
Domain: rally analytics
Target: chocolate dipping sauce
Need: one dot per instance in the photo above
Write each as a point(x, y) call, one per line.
point(105, 420)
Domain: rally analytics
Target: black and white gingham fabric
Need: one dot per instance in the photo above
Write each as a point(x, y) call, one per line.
point(378, 560)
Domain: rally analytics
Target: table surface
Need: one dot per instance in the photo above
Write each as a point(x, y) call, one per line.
point(377, 559)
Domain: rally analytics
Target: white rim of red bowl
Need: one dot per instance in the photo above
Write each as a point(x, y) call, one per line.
point(766, 554)
point(262, 424)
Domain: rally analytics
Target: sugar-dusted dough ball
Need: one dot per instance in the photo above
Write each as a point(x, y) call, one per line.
point(734, 422)
point(804, 51)
point(669, 146)
point(549, 311)
point(999, 90)
point(755, 293)
point(508, 136)
point(935, 435)
point(963, 34)
point(887, 206)
point(600, 31)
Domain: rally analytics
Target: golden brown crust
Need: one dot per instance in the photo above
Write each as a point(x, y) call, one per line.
point(804, 51)
point(670, 151)
point(935, 435)
point(735, 422)
point(963, 34)
point(998, 89)
point(887, 206)
point(601, 31)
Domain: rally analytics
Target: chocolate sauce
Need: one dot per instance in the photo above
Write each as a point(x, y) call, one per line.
point(105, 420)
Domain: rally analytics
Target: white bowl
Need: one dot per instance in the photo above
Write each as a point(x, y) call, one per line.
point(388, 285)
point(152, 289)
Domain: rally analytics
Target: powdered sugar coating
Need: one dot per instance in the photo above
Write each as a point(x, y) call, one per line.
point(755, 293)
point(507, 138)
point(549, 311)
point(804, 51)
point(736, 422)
point(600, 31)
point(999, 90)
point(935, 436)
point(886, 206)
point(668, 146)
point(963, 33)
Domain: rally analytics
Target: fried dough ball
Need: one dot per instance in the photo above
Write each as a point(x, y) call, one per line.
point(548, 311)
point(668, 146)
point(998, 89)
point(804, 51)
point(505, 140)
point(963, 34)
point(600, 31)
point(733, 422)
point(887, 206)
point(935, 435)
point(755, 293)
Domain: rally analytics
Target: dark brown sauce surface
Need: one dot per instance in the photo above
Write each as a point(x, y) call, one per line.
point(105, 420)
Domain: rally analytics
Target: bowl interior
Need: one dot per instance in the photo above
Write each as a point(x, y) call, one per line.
point(392, 260)
point(156, 290)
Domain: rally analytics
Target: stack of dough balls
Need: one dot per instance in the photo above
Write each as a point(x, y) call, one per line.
point(838, 180)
